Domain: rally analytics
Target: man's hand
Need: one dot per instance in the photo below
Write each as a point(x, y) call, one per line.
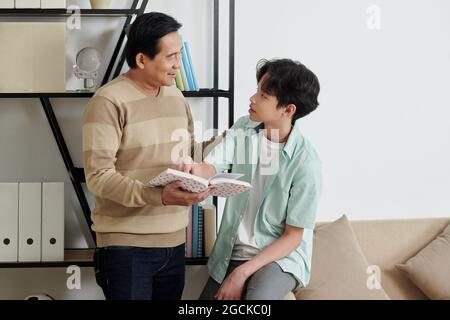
point(173, 195)
point(233, 286)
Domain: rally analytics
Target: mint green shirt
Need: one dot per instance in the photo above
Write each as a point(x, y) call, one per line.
point(290, 196)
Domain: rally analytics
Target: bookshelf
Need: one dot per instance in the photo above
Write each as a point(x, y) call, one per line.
point(84, 257)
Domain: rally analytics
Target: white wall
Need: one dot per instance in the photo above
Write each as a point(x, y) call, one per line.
point(381, 129)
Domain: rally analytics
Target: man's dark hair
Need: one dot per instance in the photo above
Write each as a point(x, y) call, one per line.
point(291, 83)
point(144, 35)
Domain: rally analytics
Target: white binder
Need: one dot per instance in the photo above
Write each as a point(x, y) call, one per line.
point(29, 222)
point(7, 4)
point(9, 221)
point(28, 4)
point(53, 221)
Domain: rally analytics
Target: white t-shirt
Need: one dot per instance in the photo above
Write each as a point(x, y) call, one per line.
point(245, 246)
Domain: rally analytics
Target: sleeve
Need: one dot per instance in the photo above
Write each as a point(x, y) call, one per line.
point(102, 133)
point(304, 195)
point(199, 150)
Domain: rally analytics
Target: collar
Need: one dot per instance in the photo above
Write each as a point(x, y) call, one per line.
point(293, 138)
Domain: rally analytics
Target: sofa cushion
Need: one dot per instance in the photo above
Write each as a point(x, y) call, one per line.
point(388, 242)
point(429, 270)
point(339, 268)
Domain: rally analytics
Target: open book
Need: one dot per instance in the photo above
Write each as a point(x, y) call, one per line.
point(225, 184)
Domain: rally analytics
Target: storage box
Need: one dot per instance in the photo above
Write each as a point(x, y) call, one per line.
point(53, 4)
point(28, 4)
point(34, 59)
point(7, 4)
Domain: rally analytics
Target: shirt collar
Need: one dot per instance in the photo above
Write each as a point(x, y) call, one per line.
point(293, 138)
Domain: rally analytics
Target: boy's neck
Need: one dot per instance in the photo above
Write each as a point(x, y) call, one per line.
point(278, 132)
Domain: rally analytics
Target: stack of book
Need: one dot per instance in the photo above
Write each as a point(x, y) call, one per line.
point(201, 231)
point(185, 79)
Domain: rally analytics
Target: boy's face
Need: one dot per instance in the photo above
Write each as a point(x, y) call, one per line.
point(263, 106)
point(161, 70)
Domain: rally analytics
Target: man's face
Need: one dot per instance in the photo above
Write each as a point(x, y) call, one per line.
point(161, 70)
point(263, 106)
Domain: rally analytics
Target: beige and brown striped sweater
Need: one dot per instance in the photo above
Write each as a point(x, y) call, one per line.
point(128, 138)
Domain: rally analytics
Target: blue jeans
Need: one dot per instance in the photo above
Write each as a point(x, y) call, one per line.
point(131, 273)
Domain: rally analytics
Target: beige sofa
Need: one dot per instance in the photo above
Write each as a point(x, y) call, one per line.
point(386, 243)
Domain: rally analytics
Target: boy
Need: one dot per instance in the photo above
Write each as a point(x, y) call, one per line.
point(264, 246)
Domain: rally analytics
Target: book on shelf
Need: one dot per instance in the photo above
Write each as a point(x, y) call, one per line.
point(209, 228)
point(201, 231)
point(184, 79)
point(191, 66)
point(195, 231)
point(188, 68)
point(179, 81)
point(189, 234)
point(224, 184)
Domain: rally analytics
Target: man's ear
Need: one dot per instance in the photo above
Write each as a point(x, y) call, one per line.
point(140, 60)
point(290, 110)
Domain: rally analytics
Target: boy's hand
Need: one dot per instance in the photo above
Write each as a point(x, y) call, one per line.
point(183, 164)
point(232, 287)
point(173, 195)
point(204, 170)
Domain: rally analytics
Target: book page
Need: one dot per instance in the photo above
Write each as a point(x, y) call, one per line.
point(233, 176)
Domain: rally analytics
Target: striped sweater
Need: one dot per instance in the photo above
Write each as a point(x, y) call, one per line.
point(128, 138)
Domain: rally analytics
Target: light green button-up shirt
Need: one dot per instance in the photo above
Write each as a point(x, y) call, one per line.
point(291, 195)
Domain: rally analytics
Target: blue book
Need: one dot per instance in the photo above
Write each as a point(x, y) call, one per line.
point(195, 220)
point(187, 67)
point(188, 52)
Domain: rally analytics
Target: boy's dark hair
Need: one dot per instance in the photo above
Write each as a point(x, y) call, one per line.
point(290, 82)
point(144, 35)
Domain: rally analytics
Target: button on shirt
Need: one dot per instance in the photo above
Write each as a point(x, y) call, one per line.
point(290, 196)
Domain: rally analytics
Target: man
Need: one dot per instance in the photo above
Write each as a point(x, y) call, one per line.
point(128, 139)
point(264, 246)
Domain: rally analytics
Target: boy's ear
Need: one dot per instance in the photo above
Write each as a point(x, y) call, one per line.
point(290, 110)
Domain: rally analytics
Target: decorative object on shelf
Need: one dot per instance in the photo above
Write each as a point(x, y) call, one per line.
point(53, 4)
point(39, 296)
point(100, 4)
point(7, 4)
point(87, 66)
point(28, 4)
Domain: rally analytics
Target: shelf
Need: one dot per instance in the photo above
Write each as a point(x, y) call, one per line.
point(202, 93)
point(205, 93)
point(68, 12)
point(77, 257)
point(68, 94)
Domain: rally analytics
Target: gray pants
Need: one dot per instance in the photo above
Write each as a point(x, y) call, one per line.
point(268, 283)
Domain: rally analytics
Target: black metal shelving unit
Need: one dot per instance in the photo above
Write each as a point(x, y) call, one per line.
point(84, 257)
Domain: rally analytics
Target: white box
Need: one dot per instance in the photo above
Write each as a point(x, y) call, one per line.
point(53, 4)
point(6, 4)
point(34, 59)
point(28, 4)
point(53, 221)
point(30, 222)
point(9, 221)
